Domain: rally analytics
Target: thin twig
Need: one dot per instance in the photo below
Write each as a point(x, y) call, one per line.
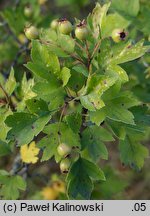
point(5, 93)
point(60, 119)
point(88, 55)
point(95, 49)
point(8, 99)
point(82, 48)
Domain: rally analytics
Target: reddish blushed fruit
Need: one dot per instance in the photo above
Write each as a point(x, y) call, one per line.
point(31, 32)
point(119, 35)
point(65, 27)
point(63, 150)
point(65, 165)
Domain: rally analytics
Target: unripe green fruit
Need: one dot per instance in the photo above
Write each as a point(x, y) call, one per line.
point(63, 150)
point(31, 32)
point(65, 27)
point(22, 38)
point(42, 2)
point(119, 35)
point(65, 165)
point(28, 11)
point(54, 24)
point(81, 32)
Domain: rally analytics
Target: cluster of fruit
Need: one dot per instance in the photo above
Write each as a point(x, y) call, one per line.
point(65, 27)
point(68, 155)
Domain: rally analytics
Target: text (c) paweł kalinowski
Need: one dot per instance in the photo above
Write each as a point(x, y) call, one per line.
point(61, 207)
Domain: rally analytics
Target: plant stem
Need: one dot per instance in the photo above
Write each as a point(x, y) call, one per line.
point(96, 48)
point(60, 119)
point(88, 55)
point(82, 48)
point(8, 99)
point(84, 115)
point(5, 93)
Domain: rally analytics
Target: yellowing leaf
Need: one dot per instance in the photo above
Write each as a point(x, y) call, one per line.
point(29, 153)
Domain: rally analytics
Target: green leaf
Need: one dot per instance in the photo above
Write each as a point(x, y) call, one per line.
point(49, 146)
point(105, 53)
point(80, 177)
point(25, 126)
point(44, 62)
point(141, 20)
point(133, 153)
point(118, 113)
point(4, 129)
point(20, 182)
point(117, 106)
point(95, 88)
point(92, 142)
point(65, 133)
point(38, 70)
point(74, 121)
point(125, 99)
point(48, 35)
point(61, 45)
point(11, 83)
point(113, 21)
point(51, 92)
point(118, 129)
point(129, 53)
point(36, 106)
point(10, 189)
point(110, 56)
point(98, 17)
point(65, 75)
point(100, 83)
point(58, 132)
point(81, 69)
point(85, 101)
point(25, 92)
point(3, 176)
point(119, 71)
point(93, 170)
point(16, 23)
point(3, 173)
point(66, 43)
point(40, 54)
point(97, 117)
point(127, 7)
point(141, 115)
point(4, 149)
point(113, 186)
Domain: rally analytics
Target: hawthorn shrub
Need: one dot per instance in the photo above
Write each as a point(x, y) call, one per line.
point(86, 84)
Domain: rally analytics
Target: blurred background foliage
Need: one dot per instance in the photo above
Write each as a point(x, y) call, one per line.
point(122, 182)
